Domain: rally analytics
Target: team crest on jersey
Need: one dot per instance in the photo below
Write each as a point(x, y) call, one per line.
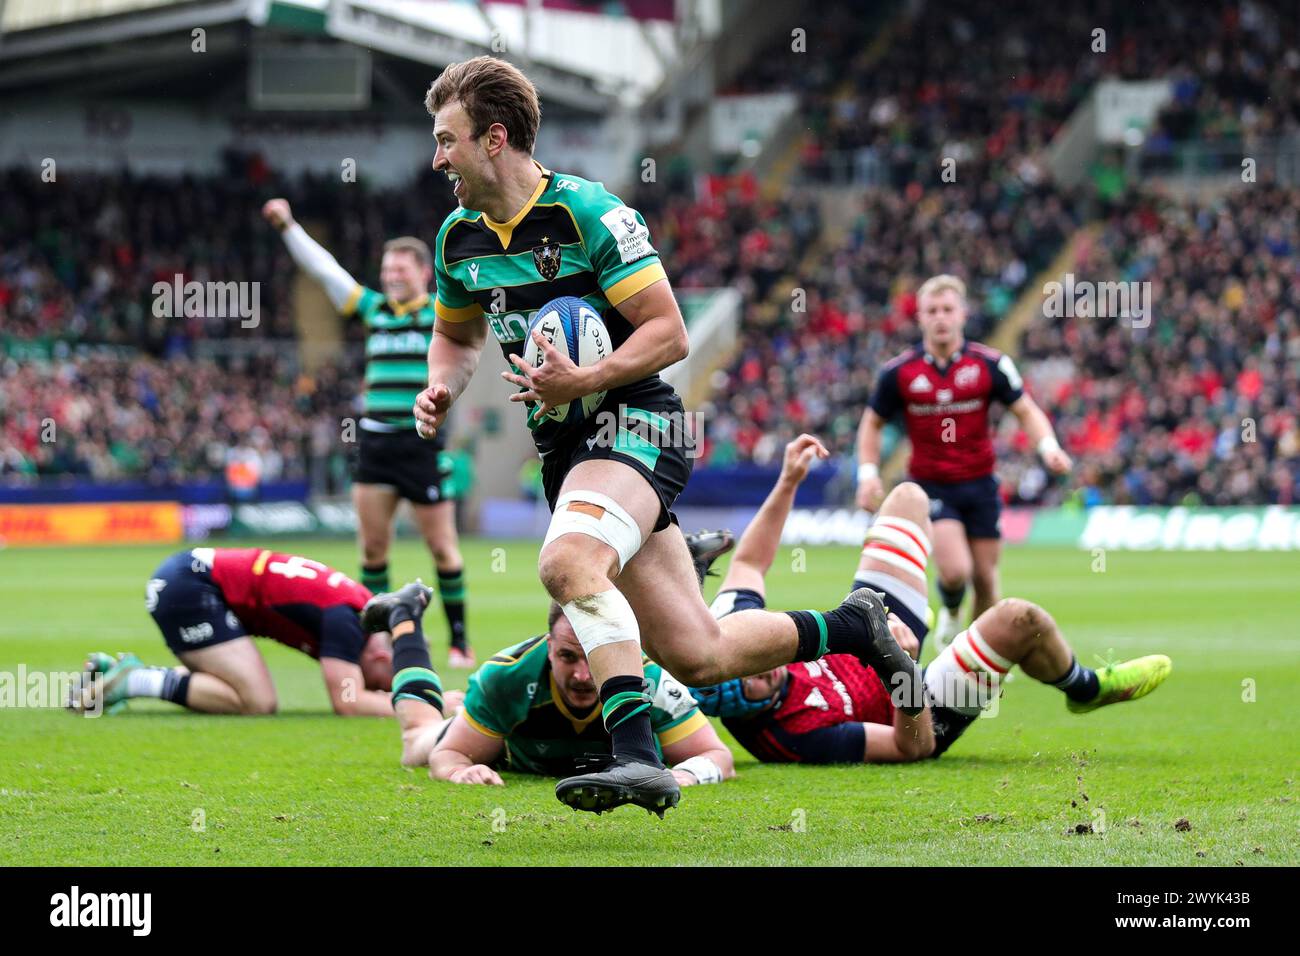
point(547, 259)
point(967, 375)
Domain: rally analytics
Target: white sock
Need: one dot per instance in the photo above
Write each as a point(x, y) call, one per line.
point(145, 682)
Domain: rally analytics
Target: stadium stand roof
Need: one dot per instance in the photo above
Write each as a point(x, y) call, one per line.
point(44, 44)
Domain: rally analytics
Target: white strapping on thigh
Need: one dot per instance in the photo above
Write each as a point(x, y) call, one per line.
point(613, 525)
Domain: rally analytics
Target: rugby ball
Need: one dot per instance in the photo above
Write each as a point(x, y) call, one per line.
point(573, 327)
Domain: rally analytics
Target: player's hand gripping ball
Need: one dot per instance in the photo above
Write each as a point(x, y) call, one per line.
point(572, 336)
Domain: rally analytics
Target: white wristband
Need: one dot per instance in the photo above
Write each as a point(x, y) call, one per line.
point(1048, 445)
point(866, 471)
point(702, 769)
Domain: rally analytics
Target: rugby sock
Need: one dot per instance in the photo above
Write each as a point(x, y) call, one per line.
point(375, 578)
point(176, 687)
point(1079, 683)
point(165, 683)
point(413, 675)
point(828, 632)
point(814, 631)
point(952, 597)
point(451, 587)
point(626, 712)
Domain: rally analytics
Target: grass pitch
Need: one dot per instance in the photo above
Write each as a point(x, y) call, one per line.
point(1201, 772)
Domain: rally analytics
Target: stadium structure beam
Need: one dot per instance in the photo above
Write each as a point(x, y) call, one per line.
point(391, 34)
point(125, 62)
point(648, 38)
point(99, 31)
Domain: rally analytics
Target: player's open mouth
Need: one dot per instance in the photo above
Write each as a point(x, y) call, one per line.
point(454, 178)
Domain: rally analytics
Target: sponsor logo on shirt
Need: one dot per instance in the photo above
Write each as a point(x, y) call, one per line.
point(934, 408)
point(632, 237)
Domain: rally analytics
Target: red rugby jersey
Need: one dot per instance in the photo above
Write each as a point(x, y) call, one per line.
point(949, 402)
point(836, 689)
point(290, 599)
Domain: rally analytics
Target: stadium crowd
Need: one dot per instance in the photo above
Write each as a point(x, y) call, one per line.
point(1201, 406)
point(1231, 95)
point(886, 114)
point(812, 370)
point(1152, 416)
point(78, 264)
point(79, 257)
point(114, 415)
point(894, 114)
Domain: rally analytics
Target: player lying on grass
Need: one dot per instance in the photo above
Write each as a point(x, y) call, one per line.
point(533, 708)
point(614, 558)
point(836, 710)
point(208, 601)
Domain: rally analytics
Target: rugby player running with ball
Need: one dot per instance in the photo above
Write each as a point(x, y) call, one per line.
point(613, 559)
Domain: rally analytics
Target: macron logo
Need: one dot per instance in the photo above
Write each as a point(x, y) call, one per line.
point(473, 272)
point(103, 909)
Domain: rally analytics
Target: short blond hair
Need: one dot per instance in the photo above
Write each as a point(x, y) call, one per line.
point(942, 283)
point(491, 91)
point(415, 247)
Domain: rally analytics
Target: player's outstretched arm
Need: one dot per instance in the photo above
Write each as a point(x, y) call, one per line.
point(909, 739)
point(464, 754)
point(454, 352)
point(870, 487)
point(1038, 429)
point(310, 255)
point(347, 689)
point(757, 548)
point(700, 757)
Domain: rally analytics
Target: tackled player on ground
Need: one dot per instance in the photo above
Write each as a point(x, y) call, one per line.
point(533, 708)
point(210, 602)
point(836, 710)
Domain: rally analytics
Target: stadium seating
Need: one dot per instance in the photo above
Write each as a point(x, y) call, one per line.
point(118, 415)
point(1201, 407)
point(1144, 413)
point(883, 126)
point(813, 371)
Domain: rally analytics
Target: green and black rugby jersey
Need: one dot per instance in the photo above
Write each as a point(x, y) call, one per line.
point(513, 697)
point(573, 237)
point(397, 353)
